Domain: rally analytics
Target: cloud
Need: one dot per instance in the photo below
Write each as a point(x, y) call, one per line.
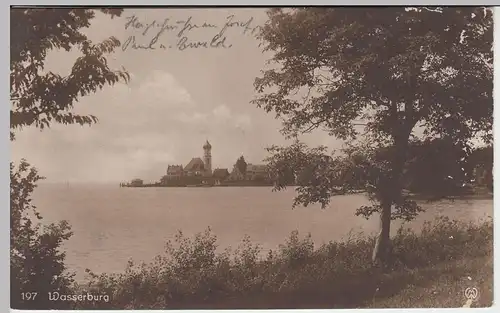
point(222, 112)
point(174, 102)
point(220, 116)
point(162, 89)
point(143, 127)
point(193, 118)
point(243, 122)
point(135, 130)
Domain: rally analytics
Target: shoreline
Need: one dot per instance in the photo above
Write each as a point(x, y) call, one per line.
point(262, 282)
point(417, 197)
point(198, 186)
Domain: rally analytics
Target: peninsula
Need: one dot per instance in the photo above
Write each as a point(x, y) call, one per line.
point(198, 173)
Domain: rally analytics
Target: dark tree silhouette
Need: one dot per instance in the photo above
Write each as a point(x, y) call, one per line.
point(438, 168)
point(392, 69)
point(38, 98)
point(241, 165)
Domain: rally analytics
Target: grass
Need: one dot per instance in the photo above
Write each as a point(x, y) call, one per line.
point(443, 286)
point(431, 269)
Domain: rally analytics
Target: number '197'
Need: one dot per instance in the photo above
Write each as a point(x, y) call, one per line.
point(28, 295)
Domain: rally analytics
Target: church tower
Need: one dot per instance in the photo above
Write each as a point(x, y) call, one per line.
point(207, 157)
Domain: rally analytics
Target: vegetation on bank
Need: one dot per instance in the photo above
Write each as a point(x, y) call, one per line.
point(336, 69)
point(444, 286)
point(192, 274)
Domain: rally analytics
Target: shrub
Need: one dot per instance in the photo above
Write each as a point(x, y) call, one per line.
point(36, 261)
point(193, 274)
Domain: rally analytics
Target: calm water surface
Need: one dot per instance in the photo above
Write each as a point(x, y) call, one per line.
point(112, 224)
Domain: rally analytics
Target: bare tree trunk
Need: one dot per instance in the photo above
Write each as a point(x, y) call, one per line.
point(391, 194)
point(382, 244)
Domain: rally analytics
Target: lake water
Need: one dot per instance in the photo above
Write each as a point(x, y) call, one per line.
point(112, 224)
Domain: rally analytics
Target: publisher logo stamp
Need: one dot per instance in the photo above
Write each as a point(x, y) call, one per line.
point(471, 293)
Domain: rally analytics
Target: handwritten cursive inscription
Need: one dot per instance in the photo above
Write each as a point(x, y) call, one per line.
point(246, 25)
point(185, 34)
point(188, 26)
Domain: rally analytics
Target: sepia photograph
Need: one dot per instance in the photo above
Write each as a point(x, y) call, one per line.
point(326, 157)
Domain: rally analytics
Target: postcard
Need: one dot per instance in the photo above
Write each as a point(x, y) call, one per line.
point(251, 158)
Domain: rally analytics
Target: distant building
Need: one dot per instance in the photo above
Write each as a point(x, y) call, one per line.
point(199, 171)
point(136, 182)
point(175, 171)
point(207, 158)
point(195, 167)
point(256, 172)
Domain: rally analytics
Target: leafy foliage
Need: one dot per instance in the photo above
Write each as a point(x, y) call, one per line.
point(439, 168)
point(194, 274)
point(36, 262)
point(393, 67)
point(39, 97)
point(482, 156)
point(435, 168)
point(389, 69)
point(319, 176)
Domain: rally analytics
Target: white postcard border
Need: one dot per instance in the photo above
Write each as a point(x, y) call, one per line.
point(5, 151)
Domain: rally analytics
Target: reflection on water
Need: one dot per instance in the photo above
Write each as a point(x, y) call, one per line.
point(114, 224)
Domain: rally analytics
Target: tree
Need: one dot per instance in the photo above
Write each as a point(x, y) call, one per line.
point(36, 264)
point(391, 69)
point(40, 98)
point(241, 165)
point(438, 168)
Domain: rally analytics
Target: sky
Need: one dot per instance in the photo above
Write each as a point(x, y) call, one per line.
point(175, 101)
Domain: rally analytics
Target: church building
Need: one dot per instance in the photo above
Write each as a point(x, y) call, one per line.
point(195, 167)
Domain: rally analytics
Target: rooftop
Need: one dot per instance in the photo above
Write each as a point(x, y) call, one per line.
point(194, 165)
